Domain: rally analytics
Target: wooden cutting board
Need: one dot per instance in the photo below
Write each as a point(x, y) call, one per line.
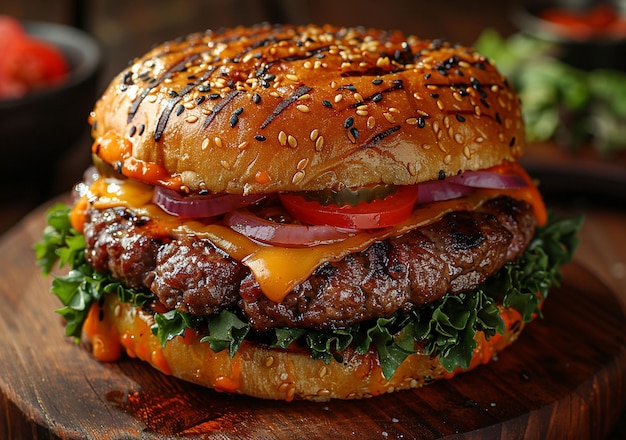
point(564, 378)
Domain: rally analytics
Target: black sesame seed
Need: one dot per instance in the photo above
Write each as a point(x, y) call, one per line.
point(377, 81)
point(238, 111)
point(269, 77)
point(173, 93)
point(485, 103)
point(128, 78)
point(348, 122)
point(118, 166)
point(123, 88)
point(498, 118)
point(481, 66)
point(326, 103)
point(200, 99)
point(355, 133)
point(434, 95)
point(142, 128)
point(377, 97)
point(460, 117)
point(133, 130)
point(427, 76)
point(203, 88)
point(442, 175)
point(214, 96)
point(421, 122)
point(233, 120)
point(179, 110)
point(482, 93)
point(512, 141)
point(256, 98)
point(259, 137)
point(397, 82)
point(351, 88)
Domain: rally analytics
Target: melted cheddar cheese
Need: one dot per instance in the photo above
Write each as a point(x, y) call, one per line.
point(273, 266)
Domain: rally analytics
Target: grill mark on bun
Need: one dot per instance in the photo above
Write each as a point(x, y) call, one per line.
point(180, 66)
point(300, 91)
point(372, 140)
point(220, 106)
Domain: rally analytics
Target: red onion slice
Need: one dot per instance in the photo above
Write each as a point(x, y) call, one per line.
point(283, 234)
point(487, 179)
point(200, 206)
point(439, 190)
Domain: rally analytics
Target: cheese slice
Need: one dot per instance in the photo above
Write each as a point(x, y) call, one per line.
point(277, 269)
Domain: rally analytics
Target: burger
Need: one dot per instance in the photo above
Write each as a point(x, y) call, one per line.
point(305, 213)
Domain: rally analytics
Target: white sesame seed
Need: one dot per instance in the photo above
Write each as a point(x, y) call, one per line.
point(314, 134)
point(303, 108)
point(411, 121)
point(218, 142)
point(225, 165)
point(282, 138)
point(389, 117)
point(467, 152)
point(338, 97)
point(297, 177)
point(371, 122)
point(293, 142)
point(269, 361)
point(319, 143)
point(302, 164)
point(440, 104)
point(205, 144)
point(447, 159)
point(242, 145)
point(292, 77)
point(323, 371)
point(191, 119)
point(358, 97)
point(362, 112)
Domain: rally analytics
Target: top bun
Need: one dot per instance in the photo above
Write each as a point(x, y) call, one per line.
point(281, 108)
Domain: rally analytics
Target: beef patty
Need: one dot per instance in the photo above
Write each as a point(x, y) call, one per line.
point(190, 274)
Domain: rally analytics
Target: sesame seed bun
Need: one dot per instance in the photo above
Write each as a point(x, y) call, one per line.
point(279, 108)
point(259, 371)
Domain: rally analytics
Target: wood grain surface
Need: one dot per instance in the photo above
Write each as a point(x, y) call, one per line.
point(564, 378)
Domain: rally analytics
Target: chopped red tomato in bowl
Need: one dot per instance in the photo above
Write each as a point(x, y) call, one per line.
point(27, 63)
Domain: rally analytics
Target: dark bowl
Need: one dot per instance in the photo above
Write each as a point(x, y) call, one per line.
point(584, 51)
point(37, 129)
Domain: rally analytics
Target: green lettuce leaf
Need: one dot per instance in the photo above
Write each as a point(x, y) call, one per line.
point(445, 328)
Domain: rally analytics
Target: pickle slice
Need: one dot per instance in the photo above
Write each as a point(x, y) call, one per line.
point(349, 196)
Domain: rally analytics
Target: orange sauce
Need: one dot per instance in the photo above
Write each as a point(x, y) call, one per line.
point(104, 337)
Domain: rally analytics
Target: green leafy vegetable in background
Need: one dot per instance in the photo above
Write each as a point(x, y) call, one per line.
point(560, 102)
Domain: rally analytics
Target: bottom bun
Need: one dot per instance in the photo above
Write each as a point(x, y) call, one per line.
point(258, 371)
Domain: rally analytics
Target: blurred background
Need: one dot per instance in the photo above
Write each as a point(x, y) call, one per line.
point(126, 29)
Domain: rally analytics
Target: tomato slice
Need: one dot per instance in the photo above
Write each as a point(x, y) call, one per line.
point(379, 213)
